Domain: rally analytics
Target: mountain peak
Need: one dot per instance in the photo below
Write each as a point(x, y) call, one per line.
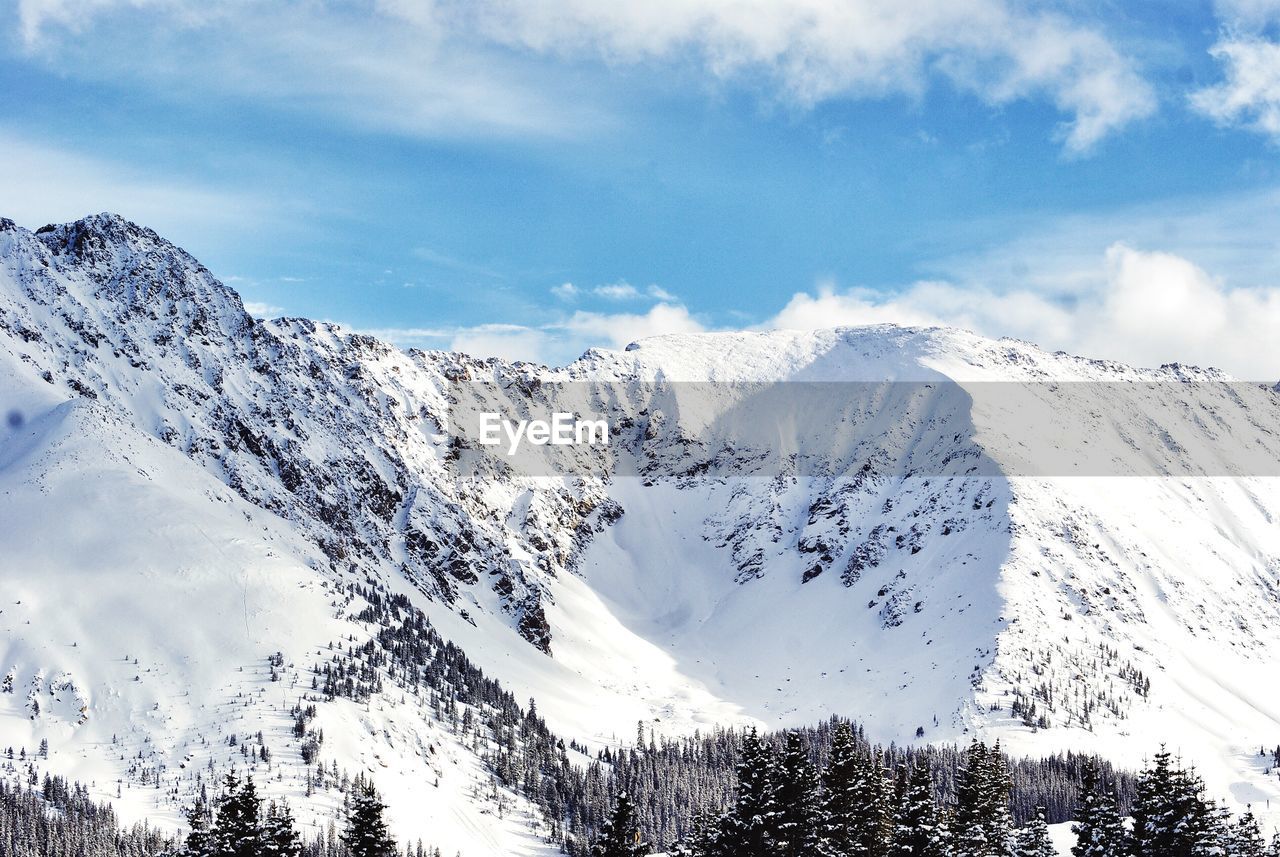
point(100, 237)
point(143, 273)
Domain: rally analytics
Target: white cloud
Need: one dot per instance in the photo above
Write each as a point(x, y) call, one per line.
point(413, 337)
point(432, 67)
point(1061, 256)
point(1247, 12)
point(1250, 93)
point(617, 330)
point(1162, 308)
point(619, 291)
point(257, 309)
point(1143, 308)
point(616, 292)
point(403, 67)
point(1020, 313)
point(506, 341)
point(816, 50)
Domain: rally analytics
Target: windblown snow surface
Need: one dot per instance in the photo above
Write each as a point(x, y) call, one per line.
point(186, 491)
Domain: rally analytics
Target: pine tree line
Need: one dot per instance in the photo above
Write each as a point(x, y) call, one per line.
point(236, 825)
point(857, 807)
point(673, 778)
point(783, 807)
point(61, 820)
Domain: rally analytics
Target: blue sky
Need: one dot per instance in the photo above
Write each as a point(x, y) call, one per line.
point(529, 179)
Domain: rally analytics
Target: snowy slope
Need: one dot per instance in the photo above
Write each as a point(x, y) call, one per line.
point(191, 487)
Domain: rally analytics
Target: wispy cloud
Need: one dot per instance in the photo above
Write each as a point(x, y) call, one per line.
point(619, 291)
point(616, 292)
point(403, 67)
point(416, 337)
point(442, 68)
point(1195, 280)
point(509, 342)
point(1061, 256)
point(45, 183)
point(452, 263)
point(556, 342)
point(824, 49)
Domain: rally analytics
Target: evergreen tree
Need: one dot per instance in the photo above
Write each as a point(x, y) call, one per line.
point(798, 800)
point(620, 836)
point(1170, 815)
point(969, 840)
point(1216, 831)
point(279, 838)
point(873, 823)
point(59, 819)
point(199, 840)
point(702, 840)
point(1153, 817)
point(1246, 837)
point(857, 813)
point(751, 827)
point(366, 834)
point(1033, 840)
point(918, 830)
point(999, 820)
point(982, 824)
point(237, 828)
point(1099, 829)
point(841, 808)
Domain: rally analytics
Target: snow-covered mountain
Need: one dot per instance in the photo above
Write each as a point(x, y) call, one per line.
point(186, 491)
